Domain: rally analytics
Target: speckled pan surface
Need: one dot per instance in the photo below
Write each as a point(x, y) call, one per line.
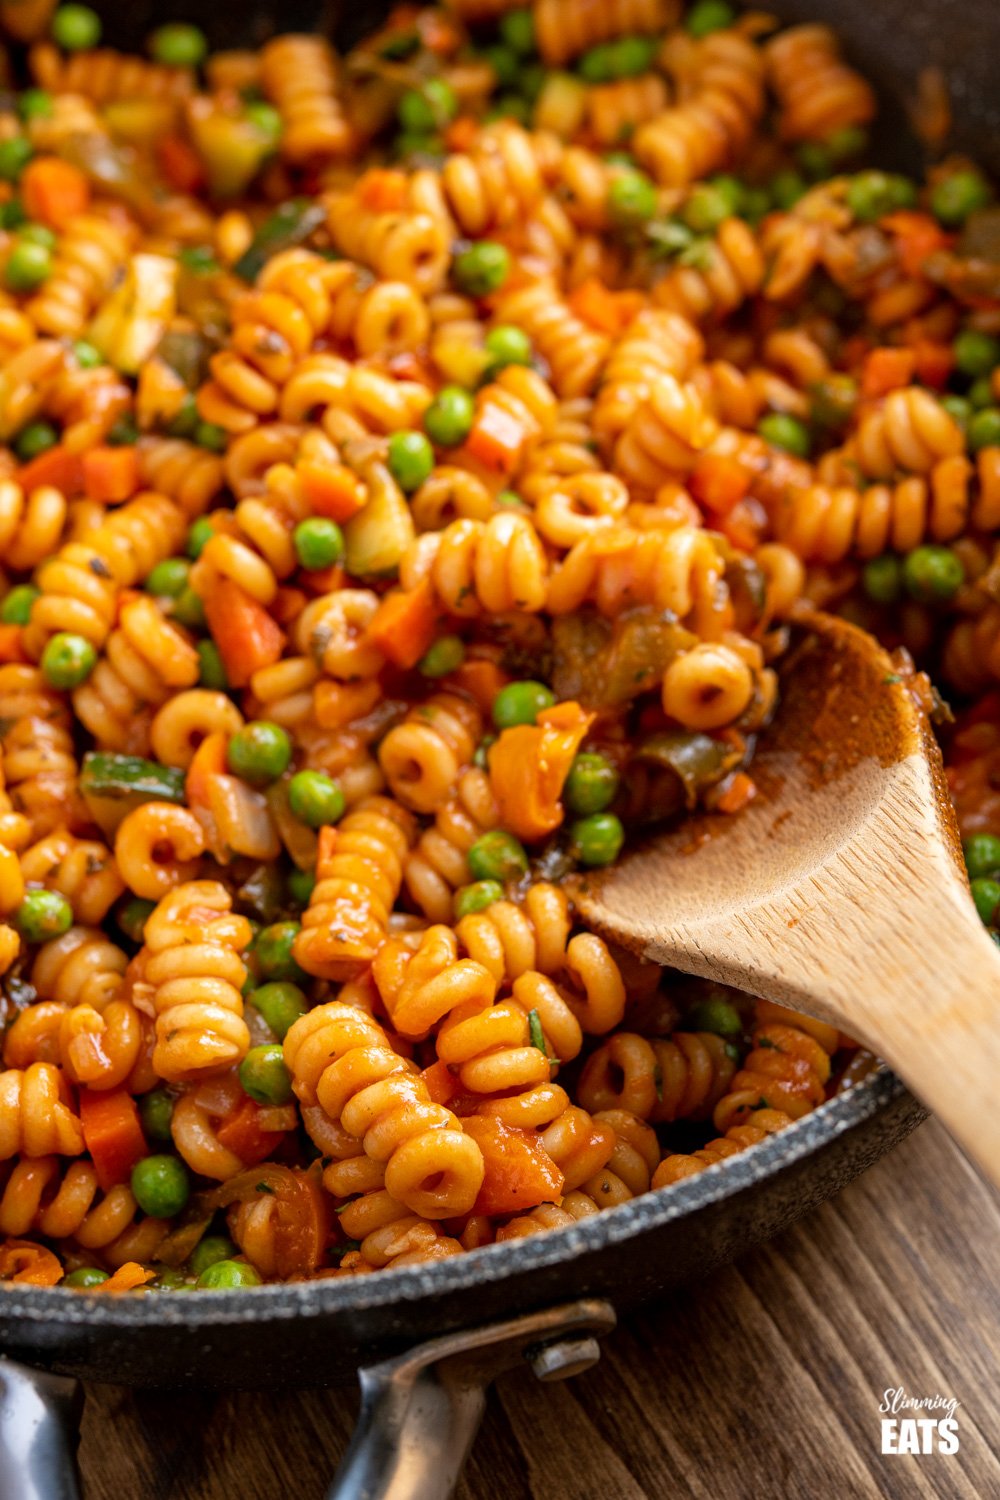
point(318, 1332)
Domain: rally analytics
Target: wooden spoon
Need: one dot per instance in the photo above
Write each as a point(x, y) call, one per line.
point(840, 890)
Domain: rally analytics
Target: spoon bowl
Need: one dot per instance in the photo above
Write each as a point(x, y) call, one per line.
point(840, 889)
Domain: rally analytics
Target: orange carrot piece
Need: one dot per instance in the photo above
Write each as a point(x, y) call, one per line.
point(180, 164)
point(208, 761)
point(112, 1133)
point(738, 793)
point(918, 235)
point(246, 635)
point(29, 1264)
point(58, 467)
point(241, 1133)
point(126, 1278)
point(602, 309)
point(481, 679)
point(54, 191)
point(332, 490)
point(403, 625)
point(496, 438)
point(12, 644)
point(934, 363)
point(383, 190)
point(719, 482)
point(110, 474)
point(461, 133)
point(528, 766)
point(520, 1174)
point(886, 370)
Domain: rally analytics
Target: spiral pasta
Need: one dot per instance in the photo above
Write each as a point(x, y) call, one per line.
point(299, 75)
point(818, 93)
point(720, 91)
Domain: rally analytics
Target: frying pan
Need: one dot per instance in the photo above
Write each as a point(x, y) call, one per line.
point(426, 1340)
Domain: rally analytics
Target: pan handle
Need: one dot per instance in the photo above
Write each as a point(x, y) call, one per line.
point(420, 1412)
point(39, 1432)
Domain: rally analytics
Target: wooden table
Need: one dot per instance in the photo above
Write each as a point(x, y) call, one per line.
point(762, 1383)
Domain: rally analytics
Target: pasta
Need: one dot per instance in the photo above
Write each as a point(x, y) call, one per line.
point(411, 466)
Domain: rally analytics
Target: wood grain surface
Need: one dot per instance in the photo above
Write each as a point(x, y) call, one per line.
point(762, 1383)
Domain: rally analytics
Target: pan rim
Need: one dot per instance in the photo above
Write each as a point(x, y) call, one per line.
point(291, 1301)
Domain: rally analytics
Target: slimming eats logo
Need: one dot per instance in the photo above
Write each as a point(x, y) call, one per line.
point(933, 1430)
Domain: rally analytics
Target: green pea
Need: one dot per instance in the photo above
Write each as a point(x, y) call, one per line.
point(882, 578)
point(507, 345)
point(511, 107)
point(597, 840)
point(476, 897)
point(15, 154)
point(266, 120)
point(755, 204)
point(209, 1251)
point(446, 655)
point(169, 578)
point(505, 64)
point(85, 1276)
point(510, 500)
point(709, 15)
point(411, 459)
point(156, 1110)
point(86, 356)
point(124, 433)
point(199, 536)
point(425, 148)
point(982, 854)
point(716, 1015)
point(300, 886)
point(785, 432)
point(631, 199)
point(958, 195)
point(188, 610)
point(179, 45)
point(132, 917)
point(186, 419)
point(521, 703)
point(786, 188)
point(27, 266)
point(12, 214)
point(36, 438)
point(959, 408)
point(592, 783)
point(481, 269)
point(833, 401)
point(429, 108)
point(16, 607)
point(497, 855)
point(228, 1275)
point(984, 429)
point(264, 1075)
point(68, 660)
point(448, 419)
point(848, 141)
point(170, 1280)
point(76, 28)
point(932, 574)
point(632, 55)
point(43, 915)
point(209, 435)
point(986, 895)
point(160, 1186)
point(815, 159)
point(272, 950)
point(871, 195)
point(595, 64)
point(481, 753)
point(259, 753)
point(706, 209)
point(318, 542)
point(315, 799)
point(281, 1004)
point(976, 353)
point(211, 668)
point(38, 234)
point(517, 30)
point(531, 80)
point(35, 104)
point(731, 189)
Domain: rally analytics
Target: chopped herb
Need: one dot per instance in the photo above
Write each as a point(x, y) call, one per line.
point(535, 1028)
point(265, 1187)
point(891, 678)
point(765, 1041)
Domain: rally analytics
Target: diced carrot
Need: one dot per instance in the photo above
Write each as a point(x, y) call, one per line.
point(481, 679)
point(442, 1085)
point(918, 235)
point(288, 604)
point(246, 635)
point(110, 474)
point(403, 625)
point(719, 482)
point(382, 190)
point(302, 1224)
point(208, 761)
point(934, 363)
point(112, 1133)
point(496, 438)
point(126, 1278)
point(240, 1132)
point(886, 370)
point(324, 580)
point(599, 307)
point(461, 133)
point(438, 34)
point(738, 793)
point(29, 1264)
point(56, 466)
point(744, 524)
point(528, 766)
point(520, 1174)
point(53, 191)
point(180, 164)
point(332, 490)
point(12, 644)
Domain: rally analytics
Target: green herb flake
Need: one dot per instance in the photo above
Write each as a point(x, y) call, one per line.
point(535, 1028)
